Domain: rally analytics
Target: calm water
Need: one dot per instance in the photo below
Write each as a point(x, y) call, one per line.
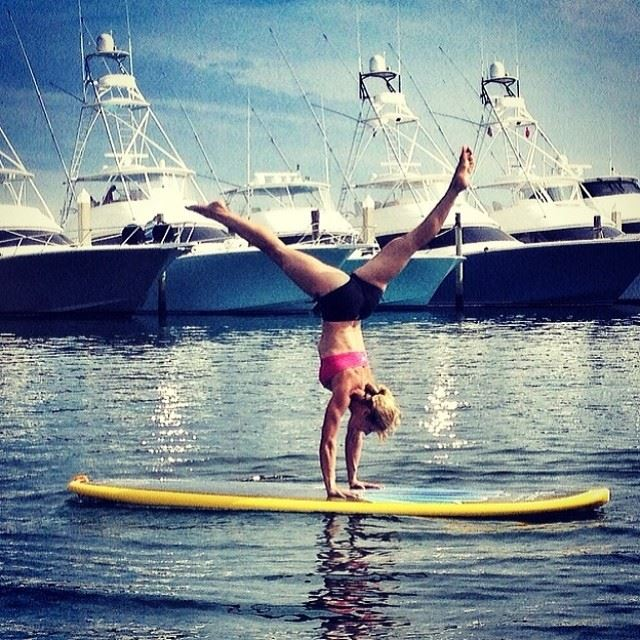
point(510, 401)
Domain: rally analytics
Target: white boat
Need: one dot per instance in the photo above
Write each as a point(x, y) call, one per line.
point(537, 195)
point(617, 197)
point(498, 270)
point(127, 163)
point(139, 192)
point(296, 208)
point(532, 190)
point(41, 272)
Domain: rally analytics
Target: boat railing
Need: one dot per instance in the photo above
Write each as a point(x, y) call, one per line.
point(328, 238)
point(18, 239)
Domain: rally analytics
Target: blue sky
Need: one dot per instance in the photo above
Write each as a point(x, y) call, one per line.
point(578, 60)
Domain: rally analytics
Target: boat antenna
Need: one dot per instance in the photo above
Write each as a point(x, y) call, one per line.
point(81, 25)
point(270, 135)
point(248, 135)
point(326, 154)
point(310, 107)
point(358, 38)
point(40, 99)
point(130, 43)
point(398, 37)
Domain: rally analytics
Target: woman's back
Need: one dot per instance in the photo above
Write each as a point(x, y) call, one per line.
point(340, 337)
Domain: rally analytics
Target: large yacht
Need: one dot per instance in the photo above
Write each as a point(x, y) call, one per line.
point(42, 272)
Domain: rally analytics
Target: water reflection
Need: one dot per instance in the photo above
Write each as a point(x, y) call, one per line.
point(356, 564)
point(442, 411)
point(170, 443)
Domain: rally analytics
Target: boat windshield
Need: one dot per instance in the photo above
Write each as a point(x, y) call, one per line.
point(611, 187)
point(470, 235)
point(405, 193)
point(562, 235)
point(550, 194)
point(287, 197)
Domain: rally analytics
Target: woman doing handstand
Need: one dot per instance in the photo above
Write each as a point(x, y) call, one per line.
point(343, 302)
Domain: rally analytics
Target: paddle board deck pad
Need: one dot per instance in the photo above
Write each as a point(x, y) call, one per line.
point(311, 498)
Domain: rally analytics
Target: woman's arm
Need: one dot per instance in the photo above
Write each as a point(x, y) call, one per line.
point(333, 414)
point(353, 450)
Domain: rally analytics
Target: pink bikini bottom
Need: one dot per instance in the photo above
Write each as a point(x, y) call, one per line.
point(334, 364)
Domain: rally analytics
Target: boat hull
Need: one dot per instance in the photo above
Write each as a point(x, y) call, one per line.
point(213, 280)
point(593, 272)
point(81, 281)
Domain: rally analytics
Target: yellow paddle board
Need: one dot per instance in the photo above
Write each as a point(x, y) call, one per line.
point(305, 497)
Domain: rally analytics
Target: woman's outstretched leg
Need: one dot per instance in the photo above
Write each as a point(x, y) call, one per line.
point(313, 276)
point(395, 255)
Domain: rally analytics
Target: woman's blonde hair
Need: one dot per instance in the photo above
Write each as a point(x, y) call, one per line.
point(385, 413)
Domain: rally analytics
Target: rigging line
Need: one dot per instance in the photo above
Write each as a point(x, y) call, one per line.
point(40, 100)
point(391, 147)
point(334, 111)
point(340, 59)
point(308, 103)
point(272, 139)
point(268, 132)
point(335, 51)
point(14, 160)
point(195, 135)
point(427, 105)
point(448, 57)
point(358, 37)
point(326, 155)
point(438, 126)
point(474, 91)
point(517, 156)
point(248, 178)
point(356, 140)
point(201, 147)
point(63, 90)
point(398, 37)
point(476, 123)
